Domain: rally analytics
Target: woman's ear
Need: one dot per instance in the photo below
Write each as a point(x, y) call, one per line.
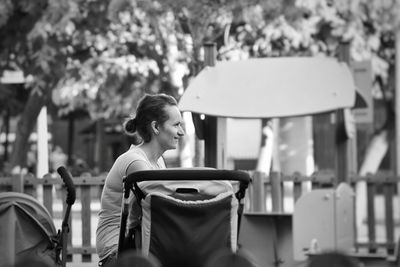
point(154, 127)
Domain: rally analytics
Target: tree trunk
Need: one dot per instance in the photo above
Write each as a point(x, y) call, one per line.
point(99, 151)
point(25, 126)
point(375, 153)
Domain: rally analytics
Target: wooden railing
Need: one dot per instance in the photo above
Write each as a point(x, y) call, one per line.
point(262, 190)
point(385, 187)
point(378, 187)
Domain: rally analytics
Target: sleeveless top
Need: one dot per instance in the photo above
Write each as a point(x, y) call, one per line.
point(107, 232)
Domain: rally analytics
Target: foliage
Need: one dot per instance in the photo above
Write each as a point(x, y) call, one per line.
point(127, 59)
point(313, 27)
point(98, 54)
point(165, 39)
point(101, 56)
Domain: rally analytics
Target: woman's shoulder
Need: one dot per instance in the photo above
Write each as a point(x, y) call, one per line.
point(132, 157)
point(133, 153)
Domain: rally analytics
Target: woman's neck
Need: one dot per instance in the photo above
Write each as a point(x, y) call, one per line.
point(153, 151)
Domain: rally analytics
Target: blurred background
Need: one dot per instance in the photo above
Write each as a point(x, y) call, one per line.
point(73, 70)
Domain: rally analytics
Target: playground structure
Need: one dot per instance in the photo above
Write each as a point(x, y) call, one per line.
point(324, 219)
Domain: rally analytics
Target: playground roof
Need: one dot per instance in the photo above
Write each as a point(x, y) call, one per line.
point(271, 87)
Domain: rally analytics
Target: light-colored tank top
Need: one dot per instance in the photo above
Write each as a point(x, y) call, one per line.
point(111, 200)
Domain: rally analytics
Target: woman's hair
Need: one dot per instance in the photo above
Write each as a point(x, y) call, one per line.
point(150, 108)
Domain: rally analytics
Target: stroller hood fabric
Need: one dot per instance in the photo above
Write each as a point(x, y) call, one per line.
point(26, 229)
point(186, 233)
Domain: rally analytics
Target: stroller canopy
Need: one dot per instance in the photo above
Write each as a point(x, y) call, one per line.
point(26, 227)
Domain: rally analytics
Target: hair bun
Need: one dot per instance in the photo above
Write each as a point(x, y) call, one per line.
point(130, 125)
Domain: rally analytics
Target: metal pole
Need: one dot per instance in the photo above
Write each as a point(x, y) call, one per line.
point(215, 127)
point(209, 54)
point(397, 107)
point(258, 199)
point(7, 133)
point(346, 151)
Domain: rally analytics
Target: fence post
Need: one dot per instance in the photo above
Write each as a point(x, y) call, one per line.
point(388, 191)
point(48, 193)
point(258, 199)
point(17, 183)
point(86, 225)
point(371, 193)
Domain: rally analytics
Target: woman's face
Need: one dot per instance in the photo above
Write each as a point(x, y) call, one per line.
point(171, 130)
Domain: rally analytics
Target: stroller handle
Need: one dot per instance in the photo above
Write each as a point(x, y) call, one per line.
point(67, 178)
point(196, 173)
point(178, 174)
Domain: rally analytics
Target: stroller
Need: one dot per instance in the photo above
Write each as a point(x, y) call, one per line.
point(27, 231)
point(185, 227)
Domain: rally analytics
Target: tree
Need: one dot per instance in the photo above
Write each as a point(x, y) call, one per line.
point(39, 41)
point(101, 56)
point(19, 49)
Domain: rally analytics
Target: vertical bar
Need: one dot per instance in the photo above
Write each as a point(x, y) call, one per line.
point(17, 183)
point(345, 131)
point(30, 185)
point(30, 190)
point(210, 122)
point(324, 140)
point(210, 54)
point(48, 195)
point(388, 190)
point(71, 133)
point(258, 196)
point(210, 142)
point(397, 106)
point(7, 132)
point(99, 143)
point(249, 197)
point(267, 189)
point(314, 182)
point(276, 192)
point(355, 224)
point(341, 138)
point(48, 192)
point(296, 188)
point(371, 192)
point(221, 139)
point(42, 161)
point(86, 225)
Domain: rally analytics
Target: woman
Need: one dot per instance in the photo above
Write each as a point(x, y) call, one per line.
point(158, 122)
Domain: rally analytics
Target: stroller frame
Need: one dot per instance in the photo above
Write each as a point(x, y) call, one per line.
point(28, 228)
point(62, 236)
point(177, 174)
